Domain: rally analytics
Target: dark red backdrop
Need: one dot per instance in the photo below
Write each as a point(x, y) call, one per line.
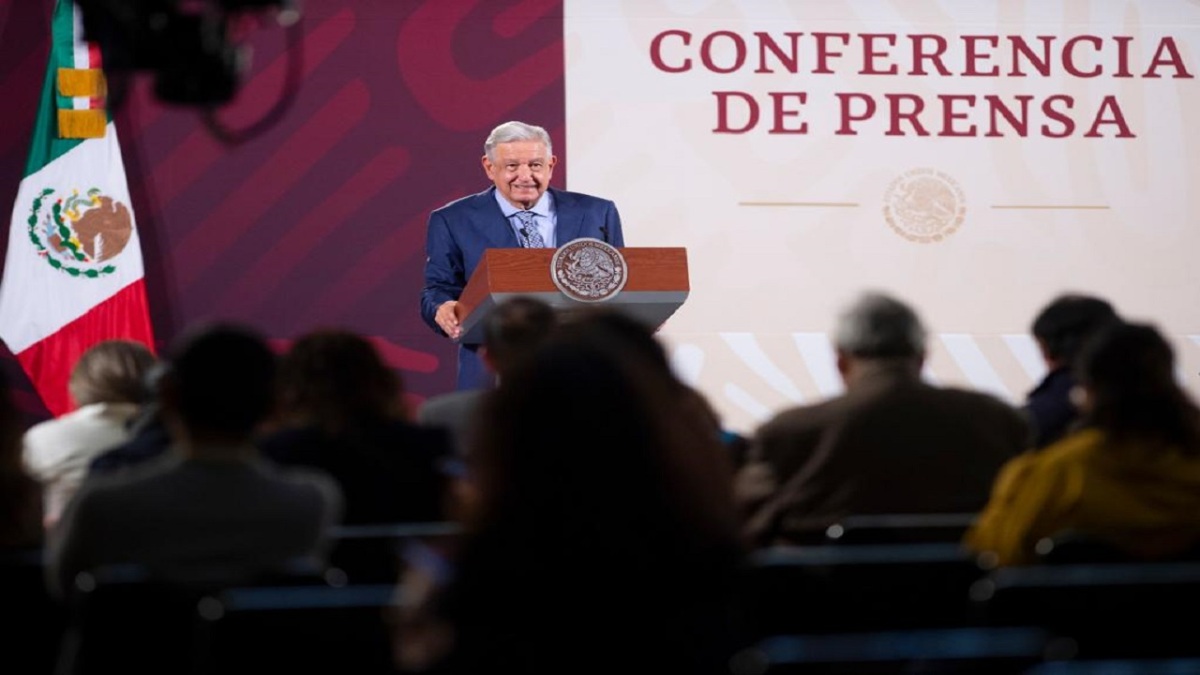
point(319, 221)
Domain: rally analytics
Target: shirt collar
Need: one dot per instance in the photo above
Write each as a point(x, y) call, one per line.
point(543, 207)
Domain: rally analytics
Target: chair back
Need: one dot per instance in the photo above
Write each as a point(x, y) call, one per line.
point(900, 528)
point(1076, 546)
point(1112, 610)
point(830, 588)
point(971, 650)
point(1149, 666)
point(42, 617)
point(132, 620)
point(282, 629)
point(372, 554)
point(123, 620)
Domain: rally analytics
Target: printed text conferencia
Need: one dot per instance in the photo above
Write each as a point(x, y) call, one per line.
point(723, 52)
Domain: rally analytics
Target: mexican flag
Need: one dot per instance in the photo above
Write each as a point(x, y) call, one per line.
point(73, 271)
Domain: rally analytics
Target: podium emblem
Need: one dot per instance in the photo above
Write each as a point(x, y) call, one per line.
point(588, 270)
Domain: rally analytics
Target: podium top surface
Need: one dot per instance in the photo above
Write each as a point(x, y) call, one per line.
point(655, 287)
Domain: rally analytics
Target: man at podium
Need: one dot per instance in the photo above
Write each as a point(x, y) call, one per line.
point(519, 210)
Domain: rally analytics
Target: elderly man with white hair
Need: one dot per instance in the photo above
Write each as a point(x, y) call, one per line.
point(892, 443)
point(519, 209)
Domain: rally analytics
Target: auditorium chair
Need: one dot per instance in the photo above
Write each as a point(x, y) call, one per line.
point(123, 620)
point(1111, 610)
point(969, 651)
point(40, 617)
point(842, 587)
point(1180, 666)
point(1072, 546)
point(899, 528)
point(295, 629)
point(127, 619)
point(371, 554)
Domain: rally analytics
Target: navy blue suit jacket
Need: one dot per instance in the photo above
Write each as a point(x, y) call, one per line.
point(458, 234)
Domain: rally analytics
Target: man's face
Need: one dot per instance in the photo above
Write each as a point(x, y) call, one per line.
point(521, 171)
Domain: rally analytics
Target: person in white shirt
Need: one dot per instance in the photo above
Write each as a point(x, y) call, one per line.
point(108, 386)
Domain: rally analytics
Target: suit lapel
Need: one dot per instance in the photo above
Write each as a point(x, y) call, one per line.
point(490, 223)
point(569, 216)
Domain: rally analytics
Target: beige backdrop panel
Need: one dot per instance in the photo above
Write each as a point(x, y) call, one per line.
point(783, 229)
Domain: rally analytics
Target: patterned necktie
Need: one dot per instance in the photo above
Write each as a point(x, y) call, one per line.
point(533, 238)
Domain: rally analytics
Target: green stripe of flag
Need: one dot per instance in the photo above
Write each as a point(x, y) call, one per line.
point(46, 146)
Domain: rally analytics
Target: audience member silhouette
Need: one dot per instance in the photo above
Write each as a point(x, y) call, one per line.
point(343, 412)
point(106, 385)
point(1129, 477)
point(891, 444)
point(511, 332)
point(20, 493)
point(213, 511)
point(1060, 329)
point(639, 336)
point(602, 537)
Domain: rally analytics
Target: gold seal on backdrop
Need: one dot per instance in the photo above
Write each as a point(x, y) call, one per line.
point(924, 205)
point(588, 270)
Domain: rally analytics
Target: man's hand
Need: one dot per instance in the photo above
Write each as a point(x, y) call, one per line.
point(447, 320)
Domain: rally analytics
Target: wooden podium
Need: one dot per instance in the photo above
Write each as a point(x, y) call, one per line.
point(655, 286)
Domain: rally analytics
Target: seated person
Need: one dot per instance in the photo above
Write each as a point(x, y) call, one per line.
point(1060, 329)
point(106, 385)
point(601, 532)
point(342, 411)
point(210, 511)
point(891, 444)
point(1130, 476)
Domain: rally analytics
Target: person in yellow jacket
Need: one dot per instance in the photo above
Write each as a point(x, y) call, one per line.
point(1130, 477)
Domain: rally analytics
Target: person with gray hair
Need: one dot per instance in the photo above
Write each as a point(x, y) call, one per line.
point(511, 132)
point(519, 209)
point(878, 326)
point(107, 385)
point(891, 444)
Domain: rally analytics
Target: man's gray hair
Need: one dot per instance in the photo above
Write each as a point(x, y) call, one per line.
point(516, 131)
point(879, 326)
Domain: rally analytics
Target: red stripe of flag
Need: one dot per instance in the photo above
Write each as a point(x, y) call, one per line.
point(49, 361)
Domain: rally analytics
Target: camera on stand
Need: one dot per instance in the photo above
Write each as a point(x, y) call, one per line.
point(186, 44)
